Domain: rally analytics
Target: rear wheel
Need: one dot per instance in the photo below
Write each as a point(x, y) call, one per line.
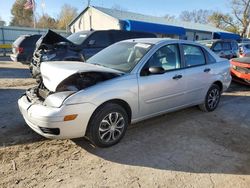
point(108, 125)
point(212, 99)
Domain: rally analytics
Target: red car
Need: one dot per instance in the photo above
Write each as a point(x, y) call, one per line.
point(240, 70)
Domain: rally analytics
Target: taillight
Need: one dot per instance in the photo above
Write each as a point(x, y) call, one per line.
point(19, 50)
point(242, 55)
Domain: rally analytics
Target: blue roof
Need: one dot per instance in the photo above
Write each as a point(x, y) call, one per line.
point(125, 15)
point(223, 35)
point(132, 25)
point(159, 21)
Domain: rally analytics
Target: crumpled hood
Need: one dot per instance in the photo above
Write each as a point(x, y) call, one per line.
point(54, 72)
point(51, 38)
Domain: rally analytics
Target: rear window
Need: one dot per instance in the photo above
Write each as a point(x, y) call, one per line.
point(226, 46)
point(30, 40)
point(18, 40)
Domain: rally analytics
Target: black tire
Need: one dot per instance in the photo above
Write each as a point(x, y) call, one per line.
point(212, 99)
point(101, 132)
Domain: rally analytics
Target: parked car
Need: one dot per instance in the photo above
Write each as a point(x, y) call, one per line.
point(243, 40)
point(224, 48)
point(128, 82)
point(77, 47)
point(244, 49)
point(23, 48)
point(240, 70)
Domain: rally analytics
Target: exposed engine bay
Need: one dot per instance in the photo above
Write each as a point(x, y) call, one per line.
point(75, 83)
point(53, 47)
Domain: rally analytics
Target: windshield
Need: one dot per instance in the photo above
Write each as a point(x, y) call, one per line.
point(121, 56)
point(79, 37)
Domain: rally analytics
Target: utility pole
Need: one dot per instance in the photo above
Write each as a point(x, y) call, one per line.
point(34, 12)
point(88, 3)
point(43, 8)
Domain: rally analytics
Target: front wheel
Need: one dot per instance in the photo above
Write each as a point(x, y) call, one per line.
point(108, 125)
point(212, 99)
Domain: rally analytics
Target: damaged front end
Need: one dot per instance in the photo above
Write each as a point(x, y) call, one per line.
point(53, 47)
point(55, 88)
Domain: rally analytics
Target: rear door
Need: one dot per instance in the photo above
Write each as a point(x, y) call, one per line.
point(197, 73)
point(162, 92)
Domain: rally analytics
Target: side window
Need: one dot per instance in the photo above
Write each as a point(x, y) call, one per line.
point(226, 46)
point(99, 39)
point(247, 46)
point(121, 35)
point(167, 57)
point(210, 59)
point(193, 55)
point(217, 47)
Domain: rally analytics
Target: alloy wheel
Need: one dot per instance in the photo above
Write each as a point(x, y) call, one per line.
point(213, 98)
point(111, 127)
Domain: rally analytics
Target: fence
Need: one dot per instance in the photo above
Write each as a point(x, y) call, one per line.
point(9, 34)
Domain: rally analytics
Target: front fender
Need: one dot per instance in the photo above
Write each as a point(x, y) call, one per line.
point(126, 90)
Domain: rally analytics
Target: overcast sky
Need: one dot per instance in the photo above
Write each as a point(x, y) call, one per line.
point(150, 7)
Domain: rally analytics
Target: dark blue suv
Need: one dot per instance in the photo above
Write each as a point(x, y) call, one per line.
point(78, 46)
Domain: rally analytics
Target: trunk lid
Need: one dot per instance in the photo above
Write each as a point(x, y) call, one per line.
point(53, 73)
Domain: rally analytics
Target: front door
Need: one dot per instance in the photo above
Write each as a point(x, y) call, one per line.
point(164, 91)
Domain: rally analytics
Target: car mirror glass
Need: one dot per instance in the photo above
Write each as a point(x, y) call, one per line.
point(156, 70)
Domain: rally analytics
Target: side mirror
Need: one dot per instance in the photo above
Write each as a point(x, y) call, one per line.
point(156, 70)
point(91, 42)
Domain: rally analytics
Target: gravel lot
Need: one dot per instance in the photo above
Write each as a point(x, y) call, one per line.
point(188, 148)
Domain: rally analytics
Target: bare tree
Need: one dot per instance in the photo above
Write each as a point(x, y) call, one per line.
point(241, 12)
point(45, 21)
point(169, 17)
point(239, 19)
point(21, 17)
point(196, 16)
point(224, 21)
point(67, 14)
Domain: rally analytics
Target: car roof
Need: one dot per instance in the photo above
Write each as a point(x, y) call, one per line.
point(160, 40)
point(217, 40)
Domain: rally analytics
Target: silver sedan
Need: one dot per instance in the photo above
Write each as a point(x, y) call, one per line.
point(128, 82)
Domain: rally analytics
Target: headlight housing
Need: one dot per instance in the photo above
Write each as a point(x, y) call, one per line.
point(56, 99)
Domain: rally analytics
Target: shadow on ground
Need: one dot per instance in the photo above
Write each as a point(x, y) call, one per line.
point(188, 140)
point(235, 87)
point(13, 129)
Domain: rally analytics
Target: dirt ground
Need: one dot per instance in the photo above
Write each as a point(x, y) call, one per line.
point(188, 148)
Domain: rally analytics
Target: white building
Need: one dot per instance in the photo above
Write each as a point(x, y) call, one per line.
point(99, 18)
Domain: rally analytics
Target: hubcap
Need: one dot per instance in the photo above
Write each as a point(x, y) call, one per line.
point(111, 127)
point(213, 98)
